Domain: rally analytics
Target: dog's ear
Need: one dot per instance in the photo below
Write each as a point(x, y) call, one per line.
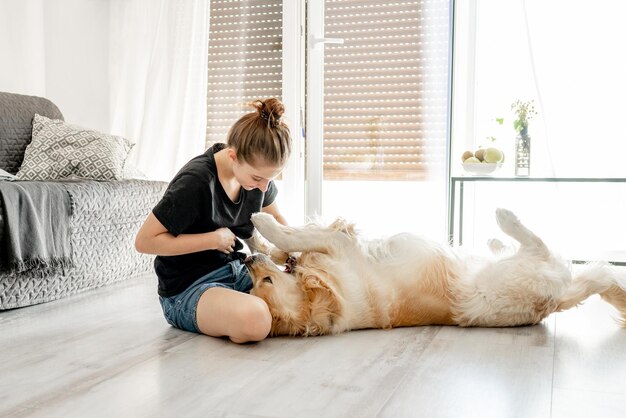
point(286, 324)
point(324, 306)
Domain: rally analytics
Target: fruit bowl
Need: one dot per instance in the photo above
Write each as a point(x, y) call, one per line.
point(481, 168)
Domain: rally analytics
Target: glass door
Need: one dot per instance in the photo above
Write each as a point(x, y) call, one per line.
point(377, 111)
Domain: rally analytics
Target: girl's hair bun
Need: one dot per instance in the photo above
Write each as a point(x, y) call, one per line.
point(262, 136)
point(270, 110)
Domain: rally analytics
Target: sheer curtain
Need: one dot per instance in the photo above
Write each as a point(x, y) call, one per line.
point(22, 42)
point(58, 49)
point(158, 78)
point(568, 57)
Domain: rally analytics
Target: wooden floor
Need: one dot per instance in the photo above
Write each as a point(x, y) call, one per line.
point(109, 353)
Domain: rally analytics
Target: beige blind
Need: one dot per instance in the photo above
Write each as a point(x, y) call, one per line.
point(385, 104)
point(245, 60)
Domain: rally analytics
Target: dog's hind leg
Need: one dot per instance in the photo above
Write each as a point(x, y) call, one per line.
point(511, 225)
point(599, 279)
point(616, 296)
point(299, 239)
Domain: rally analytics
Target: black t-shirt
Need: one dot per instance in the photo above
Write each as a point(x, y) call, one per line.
point(195, 202)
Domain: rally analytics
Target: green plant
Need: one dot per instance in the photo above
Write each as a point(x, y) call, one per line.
point(498, 122)
point(524, 111)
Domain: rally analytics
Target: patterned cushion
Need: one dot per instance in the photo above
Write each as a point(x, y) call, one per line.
point(59, 150)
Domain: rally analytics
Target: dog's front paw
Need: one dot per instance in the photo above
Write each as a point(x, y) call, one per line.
point(278, 256)
point(264, 223)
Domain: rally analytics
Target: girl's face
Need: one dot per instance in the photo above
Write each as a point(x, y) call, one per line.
point(254, 177)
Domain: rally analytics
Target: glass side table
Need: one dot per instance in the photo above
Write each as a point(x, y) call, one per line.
point(457, 193)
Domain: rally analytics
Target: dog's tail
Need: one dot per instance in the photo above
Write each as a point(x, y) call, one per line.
point(597, 278)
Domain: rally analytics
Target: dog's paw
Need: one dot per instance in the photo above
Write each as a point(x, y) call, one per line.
point(279, 256)
point(500, 249)
point(507, 221)
point(496, 246)
point(264, 223)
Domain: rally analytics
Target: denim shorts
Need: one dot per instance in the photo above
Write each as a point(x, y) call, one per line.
point(180, 310)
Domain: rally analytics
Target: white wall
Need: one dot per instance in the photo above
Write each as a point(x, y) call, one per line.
point(58, 49)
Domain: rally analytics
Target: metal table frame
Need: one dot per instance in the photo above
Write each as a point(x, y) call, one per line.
point(460, 180)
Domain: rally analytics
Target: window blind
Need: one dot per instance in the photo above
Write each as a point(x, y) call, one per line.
point(245, 60)
point(385, 89)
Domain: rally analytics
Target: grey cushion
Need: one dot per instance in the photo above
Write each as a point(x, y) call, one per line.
point(59, 150)
point(16, 124)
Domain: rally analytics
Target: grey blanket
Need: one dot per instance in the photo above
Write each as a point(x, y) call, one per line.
point(36, 226)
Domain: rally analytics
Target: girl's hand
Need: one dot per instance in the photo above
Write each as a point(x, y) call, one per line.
point(224, 240)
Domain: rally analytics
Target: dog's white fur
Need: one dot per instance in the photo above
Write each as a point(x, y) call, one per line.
point(342, 283)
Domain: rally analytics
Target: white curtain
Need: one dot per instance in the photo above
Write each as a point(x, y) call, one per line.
point(569, 58)
point(22, 45)
point(158, 78)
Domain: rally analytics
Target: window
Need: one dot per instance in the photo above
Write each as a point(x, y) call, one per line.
point(574, 76)
point(385, 100)
point(568, 57)
point(385, 89)
point(377, 122)
point(245, 60)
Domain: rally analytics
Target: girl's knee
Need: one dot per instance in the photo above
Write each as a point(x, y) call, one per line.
point(255, 323)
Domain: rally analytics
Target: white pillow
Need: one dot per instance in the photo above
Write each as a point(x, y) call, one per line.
point(60, 150)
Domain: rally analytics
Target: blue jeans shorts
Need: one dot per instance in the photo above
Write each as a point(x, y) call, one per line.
point(180, 310)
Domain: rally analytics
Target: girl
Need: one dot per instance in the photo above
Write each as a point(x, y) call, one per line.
point(203, 285)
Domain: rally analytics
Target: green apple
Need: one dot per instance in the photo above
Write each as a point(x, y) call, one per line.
point(472, 160)
point(493, 155)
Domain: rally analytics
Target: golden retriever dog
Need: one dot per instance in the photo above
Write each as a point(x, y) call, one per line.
point(342, 283)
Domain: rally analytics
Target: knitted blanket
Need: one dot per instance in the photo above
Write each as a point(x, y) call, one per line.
point(36, 226)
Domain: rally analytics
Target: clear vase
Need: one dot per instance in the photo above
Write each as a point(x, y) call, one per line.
point(522, 153)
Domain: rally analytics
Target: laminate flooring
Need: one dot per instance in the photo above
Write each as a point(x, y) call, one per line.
point(109, 353)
